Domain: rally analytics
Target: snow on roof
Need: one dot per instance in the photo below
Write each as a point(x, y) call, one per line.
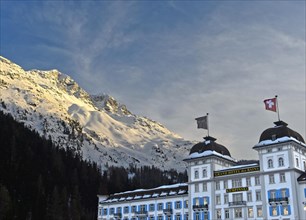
point(239, 166)
point(209, 153)
point(175, 189)
point(278, 140)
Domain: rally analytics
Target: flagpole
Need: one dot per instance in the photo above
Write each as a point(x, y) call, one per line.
point(277, 107)
point(207, 125)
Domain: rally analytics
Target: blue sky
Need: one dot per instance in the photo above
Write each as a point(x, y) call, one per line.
point(173, 61)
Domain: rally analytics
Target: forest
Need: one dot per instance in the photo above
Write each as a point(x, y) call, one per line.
point(39, 180)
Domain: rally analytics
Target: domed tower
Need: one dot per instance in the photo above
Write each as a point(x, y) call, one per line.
point(282, 156)
point(204, 159)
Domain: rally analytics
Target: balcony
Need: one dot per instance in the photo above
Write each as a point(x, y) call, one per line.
point(237, 203)
point(141, 213)
point(280, 200)
point(168, 211)
point(117, 215)
point(200, 207)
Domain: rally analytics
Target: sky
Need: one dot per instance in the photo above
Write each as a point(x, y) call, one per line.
point(174, 61)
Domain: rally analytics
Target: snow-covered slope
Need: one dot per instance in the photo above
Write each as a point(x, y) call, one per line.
point(97, 127)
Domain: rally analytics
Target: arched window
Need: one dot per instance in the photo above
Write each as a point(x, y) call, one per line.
point(270, 163)
point(280, 162)
point(204, 173)
point(196, 174)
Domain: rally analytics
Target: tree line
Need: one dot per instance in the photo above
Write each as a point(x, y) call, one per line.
point(39, 180)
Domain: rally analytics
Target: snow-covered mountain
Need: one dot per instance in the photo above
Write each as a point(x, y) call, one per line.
point(95, 126)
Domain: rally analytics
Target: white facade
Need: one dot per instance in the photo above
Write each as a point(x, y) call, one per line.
point(218, 188)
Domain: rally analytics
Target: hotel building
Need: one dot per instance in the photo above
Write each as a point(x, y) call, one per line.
point(219, 188)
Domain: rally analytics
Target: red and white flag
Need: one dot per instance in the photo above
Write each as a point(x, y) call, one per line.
point(270, 104)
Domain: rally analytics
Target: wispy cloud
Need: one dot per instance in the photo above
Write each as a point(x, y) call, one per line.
point(174, 61)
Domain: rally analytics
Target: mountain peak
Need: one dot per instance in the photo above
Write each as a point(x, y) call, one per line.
point(97, 127)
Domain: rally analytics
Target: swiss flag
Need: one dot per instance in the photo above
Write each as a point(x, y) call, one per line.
point(270, 104)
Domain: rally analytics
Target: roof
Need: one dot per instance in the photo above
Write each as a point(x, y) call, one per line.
point(280, 130)
point(302, 177)
point(210, 145)
point(166, 190)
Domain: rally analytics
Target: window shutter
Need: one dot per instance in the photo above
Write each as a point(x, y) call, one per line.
point(270, 210)
point(287, 192)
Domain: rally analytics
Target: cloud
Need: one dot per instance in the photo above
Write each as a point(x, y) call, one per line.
point(175, 61)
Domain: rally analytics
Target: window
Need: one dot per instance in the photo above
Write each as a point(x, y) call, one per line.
point(151, 217)
point(197, 216)
point(178, 205)
point(237, 197)
point(204, 173)
point(204, 187)
point(258, 195)
point(249, 196)
point(100, 212)
point(304, 165)
point(270, 163)
point(286, 210)
point(236, 183)
point(169, 205)
point(196, 174)
point(186, 204)
point(269, 150)
point(226, 213)
point(218, 213)
point(119, 210)
point(280, 162)
point(105, 211)
point(218, 200)
point(205, 200)
point(257, 181)
point(250, 212)
point(238, 212)
point(297, 162)
point(126, 209)
point(160, 217)
point(196, 201)
point(143, 208)
point(225, 199)
point(283, 193)
point(178, 217)
point(111, 211)
point(196, 187)
point(217, 185)
point(271, 179)
point(186, 216)
point(272, 194)
point(274, 211)
point(259, 211)
point(225, 184)
point(160, 206)
point(248, 181)
point(282, 177)
point(151, 207)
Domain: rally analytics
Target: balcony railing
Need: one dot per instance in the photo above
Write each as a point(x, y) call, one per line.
point(141, 213)
point(278, 200)
point(167, 211)
point(237, 203)
point(200, 207)
point(117, 215)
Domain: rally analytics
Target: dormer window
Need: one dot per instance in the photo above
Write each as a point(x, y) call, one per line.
point(270, 163)
point(273, 137)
